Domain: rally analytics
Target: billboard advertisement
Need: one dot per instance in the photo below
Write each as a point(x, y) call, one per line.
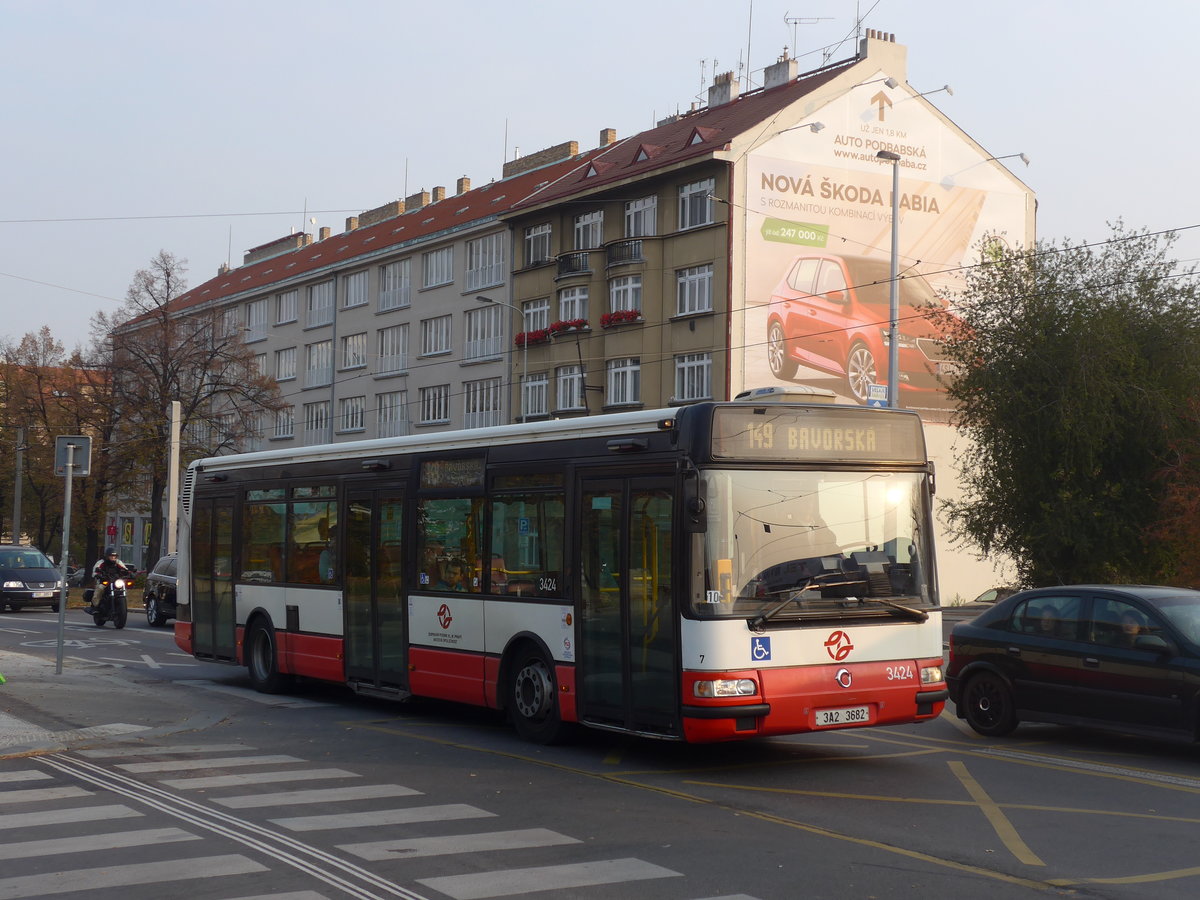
point(818, 235)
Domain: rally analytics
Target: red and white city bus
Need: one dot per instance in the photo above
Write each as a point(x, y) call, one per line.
point(708, 573)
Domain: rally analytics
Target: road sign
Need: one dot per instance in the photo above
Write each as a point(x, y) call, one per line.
point(81, 459)
point(877, 395)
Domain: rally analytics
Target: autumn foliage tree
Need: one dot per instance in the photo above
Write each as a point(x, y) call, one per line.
point(162, 350)
point(1078, 368)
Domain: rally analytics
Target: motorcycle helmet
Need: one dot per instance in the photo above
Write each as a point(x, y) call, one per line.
point(110, 551)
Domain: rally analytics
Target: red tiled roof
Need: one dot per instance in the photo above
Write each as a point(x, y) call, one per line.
point(673, 142)
point(481, 203)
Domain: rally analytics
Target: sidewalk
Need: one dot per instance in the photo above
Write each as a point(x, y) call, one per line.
point(45, 712)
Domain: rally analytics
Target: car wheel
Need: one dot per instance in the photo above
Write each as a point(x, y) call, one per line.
point(262, 661)
point(861, 372)
point(532, 698)
point(154, 616)
point(988, 705)
point(782, 365)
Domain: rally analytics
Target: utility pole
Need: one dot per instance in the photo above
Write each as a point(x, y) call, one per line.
point(16, 520)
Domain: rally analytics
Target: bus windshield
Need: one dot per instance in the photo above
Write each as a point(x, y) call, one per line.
point(835, 543)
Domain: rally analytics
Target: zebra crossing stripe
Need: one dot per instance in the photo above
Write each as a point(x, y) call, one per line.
point(317, 795)
point(444, 845)
point(59, 816)
point(220, 762)
point(516, 882)
point(26, 887)
point(407, 816)
point(39, 795)
point(218, 781)
point(100, 840)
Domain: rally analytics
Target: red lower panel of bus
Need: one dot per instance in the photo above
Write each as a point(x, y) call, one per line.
point(313, 656)
point(446, 675)
point(818, 698)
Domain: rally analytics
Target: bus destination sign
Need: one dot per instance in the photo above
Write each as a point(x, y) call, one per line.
point(827, 433)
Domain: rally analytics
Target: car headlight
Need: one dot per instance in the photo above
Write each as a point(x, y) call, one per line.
point(13, 585)
point(725, 687)
point(932, 675)
point(903, 341)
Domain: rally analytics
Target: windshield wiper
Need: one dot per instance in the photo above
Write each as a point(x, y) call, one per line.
point(918, 614)
point(763, 617)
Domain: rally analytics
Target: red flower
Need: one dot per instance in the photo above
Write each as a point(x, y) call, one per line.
point(620, 316)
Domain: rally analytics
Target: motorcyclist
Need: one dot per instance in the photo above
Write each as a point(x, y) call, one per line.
point(107, 568)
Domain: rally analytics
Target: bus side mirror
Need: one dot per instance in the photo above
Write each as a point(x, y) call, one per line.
point(695, 516)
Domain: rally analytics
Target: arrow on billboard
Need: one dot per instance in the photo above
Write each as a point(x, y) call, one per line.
point(881, 100)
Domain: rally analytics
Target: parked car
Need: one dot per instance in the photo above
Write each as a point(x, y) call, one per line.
point(1123, 657)
point(76, 575)
point(990, 596)
point(159, 595)
point(29, 578)
point(834, 312)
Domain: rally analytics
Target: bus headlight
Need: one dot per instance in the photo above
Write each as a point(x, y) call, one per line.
point(726, 687)
point(932, 675)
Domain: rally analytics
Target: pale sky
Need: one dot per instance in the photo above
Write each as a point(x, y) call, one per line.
point(208, 127)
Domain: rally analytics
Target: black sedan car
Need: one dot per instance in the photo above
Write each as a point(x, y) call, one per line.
point(159, 595)
point(1124, 657)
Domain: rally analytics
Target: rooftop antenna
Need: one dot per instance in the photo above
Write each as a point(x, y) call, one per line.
point(796, 21)
point(749, 30)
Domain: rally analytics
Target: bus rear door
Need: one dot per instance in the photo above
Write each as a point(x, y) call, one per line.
point(214, 626)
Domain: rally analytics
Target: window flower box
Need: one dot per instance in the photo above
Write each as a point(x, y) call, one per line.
point(538, 336)
point(620, 317)
point(566, 325)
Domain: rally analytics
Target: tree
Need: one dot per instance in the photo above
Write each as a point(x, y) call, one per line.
point(163, 350)
point(1077, 365)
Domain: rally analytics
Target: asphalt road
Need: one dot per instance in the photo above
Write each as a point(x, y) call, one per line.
point(139, 770)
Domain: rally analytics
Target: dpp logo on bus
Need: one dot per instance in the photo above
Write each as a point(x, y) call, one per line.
point(838, 645)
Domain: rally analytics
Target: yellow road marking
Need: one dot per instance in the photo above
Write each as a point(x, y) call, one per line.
point(1004, 828)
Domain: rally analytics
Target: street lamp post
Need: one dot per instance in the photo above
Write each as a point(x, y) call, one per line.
point(524, 350)
point(894, 283)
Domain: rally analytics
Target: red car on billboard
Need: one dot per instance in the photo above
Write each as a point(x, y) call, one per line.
point(833, 313)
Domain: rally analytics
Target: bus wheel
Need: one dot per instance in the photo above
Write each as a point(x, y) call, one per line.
point(989, 705)
point(262, 662)
point(532, 698)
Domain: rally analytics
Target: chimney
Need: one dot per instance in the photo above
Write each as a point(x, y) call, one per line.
point(324, 234)
point(351, 223)
point(557, 153)
point(608, 136)
point(416, 201)
point(378, 214)
point(724, 89)
point(783, 71)
point(462, 185)
point(439, 194)
point(222, 269)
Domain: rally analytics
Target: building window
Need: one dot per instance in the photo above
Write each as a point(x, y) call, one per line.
point(258, 368)
point(481, 403)
point(624, 381)
point(625, 293)
point(393, 349)
point(395, 289)
point(356, 290)
point(695, 207)
point(485, 261)
point(693, 376)
point(693, 290)
point(570, 387)
point(537, 244)
point(231, 322)
point(484, 336)
point(536, 314)
point(641, 217)
point(438, 267)
point(318, 369)
point(354, 351)
point(320, 304)
point(535, 395)
point(435, 405)
point(573, 304)
point(435, 335)
point(285, 364)
point(589, 230)
point(352, 413)
point(285, 307)
point(285, 422)
point(316, 422)
point(256, 320)
point(393, 413)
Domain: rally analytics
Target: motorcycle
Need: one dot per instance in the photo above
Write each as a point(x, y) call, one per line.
point(111, 606)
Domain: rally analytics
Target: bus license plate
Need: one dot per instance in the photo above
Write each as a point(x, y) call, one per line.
point(849, 715)
point(41, 595)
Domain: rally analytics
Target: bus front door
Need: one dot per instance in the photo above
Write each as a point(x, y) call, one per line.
point(376, 627)
point(628, 654)
point(214, 626)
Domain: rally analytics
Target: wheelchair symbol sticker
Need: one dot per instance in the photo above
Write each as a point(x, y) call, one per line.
point(760, 648)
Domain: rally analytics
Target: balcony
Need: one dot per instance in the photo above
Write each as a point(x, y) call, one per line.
point(576, 263)
point(622, 252)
